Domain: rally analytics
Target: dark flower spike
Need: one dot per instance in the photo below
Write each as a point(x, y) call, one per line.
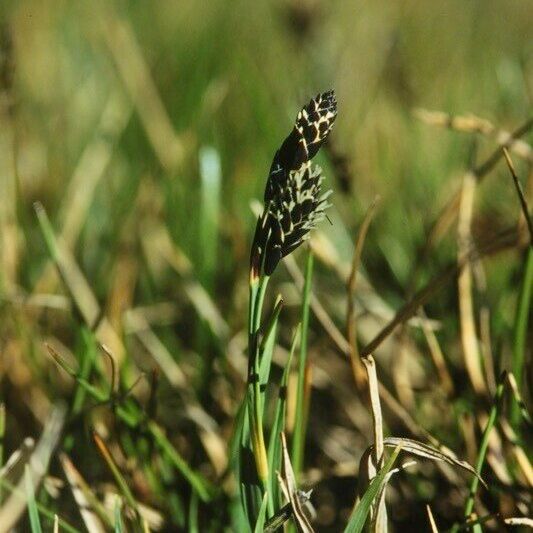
point(311, 129)
point(293, 212)
point(294, 204)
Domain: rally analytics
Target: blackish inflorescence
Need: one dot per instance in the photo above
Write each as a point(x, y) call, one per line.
point(294, 203)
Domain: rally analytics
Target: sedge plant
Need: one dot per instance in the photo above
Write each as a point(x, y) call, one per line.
point(293, 205)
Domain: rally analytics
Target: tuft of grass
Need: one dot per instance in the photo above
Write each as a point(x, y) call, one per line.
point(140, 132)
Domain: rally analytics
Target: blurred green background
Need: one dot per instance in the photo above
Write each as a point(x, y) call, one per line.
point(145, 129)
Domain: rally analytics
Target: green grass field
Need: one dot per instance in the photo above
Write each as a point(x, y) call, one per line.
point(136, 140)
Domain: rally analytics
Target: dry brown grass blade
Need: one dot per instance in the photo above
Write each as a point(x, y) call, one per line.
point(521, 195)
point(374, 305)
point(518, 451)
point(138, 324)
point(437, 358)
point(351, 285)
point(424, 450)
point(519, 521)
point(79, 289)
point(370, 366)
point(15, 504)
point(473, 124)
point(14, 467)
point(401, 375)
point(141, 87)
point(92, 166)
point(81, 491)
point(342, 344)
point(290, 488)
point(467, 321)
point(9, 234)
point(158, 243)
point(449, 212)
point(379, 510)
point(90, 170)
point(468, 429)
point(432, 523)
point(506, 240)
point(486, 348)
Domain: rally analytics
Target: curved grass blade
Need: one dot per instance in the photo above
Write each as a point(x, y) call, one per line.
point(358, 518)
point(289, 486)
point(424, 450)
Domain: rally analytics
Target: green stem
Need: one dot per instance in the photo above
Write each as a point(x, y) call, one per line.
point(521, 329)
point(494, 412)
point(2, 435)
point(301, 410)
point(257, 297)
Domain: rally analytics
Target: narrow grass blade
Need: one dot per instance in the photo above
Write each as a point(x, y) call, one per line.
point(431, 519)
point(14, 467)
point(278, 426)
point(358, 518)
point(249, 488)
point(493, 416)
point(424, 450)
point(35, 523)
point(351, 285)
point(193, 513)
point(204, 489)
point(119, 528)
point(521, 327)
point(259, 525)
point(88, 357)
point(268, 342)
point(80, 291)
point(2, 435)
point(115, 471)
point(526, 290)
point(300, 428)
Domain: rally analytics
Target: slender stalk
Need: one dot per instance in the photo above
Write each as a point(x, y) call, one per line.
point(300, 428)
point(494, 412)
point(524, 302)
point(521, 328)
point(257, 296)
point(2, 435)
